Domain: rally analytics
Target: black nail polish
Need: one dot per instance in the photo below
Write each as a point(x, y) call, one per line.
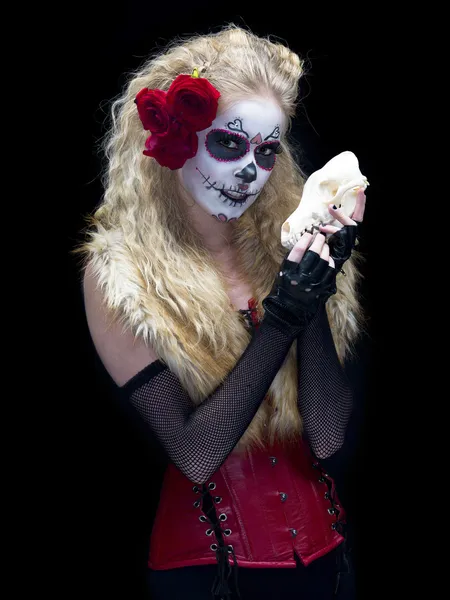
point(335, 207)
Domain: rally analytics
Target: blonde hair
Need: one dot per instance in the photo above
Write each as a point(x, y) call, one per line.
point(140, 199)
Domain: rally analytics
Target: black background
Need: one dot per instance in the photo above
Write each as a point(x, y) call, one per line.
point(354, 58)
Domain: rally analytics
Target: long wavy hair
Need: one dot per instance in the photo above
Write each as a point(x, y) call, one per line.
point(141, 202)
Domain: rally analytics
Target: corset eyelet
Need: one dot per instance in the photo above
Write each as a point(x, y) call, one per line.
point(223, 517)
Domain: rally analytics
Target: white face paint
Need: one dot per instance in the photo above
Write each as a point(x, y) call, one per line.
point(235, 158)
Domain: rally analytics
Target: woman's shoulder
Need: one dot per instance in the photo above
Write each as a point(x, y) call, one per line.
point(122, 354)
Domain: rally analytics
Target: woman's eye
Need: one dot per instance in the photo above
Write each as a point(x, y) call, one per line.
point(229, 144)
point(266, 151)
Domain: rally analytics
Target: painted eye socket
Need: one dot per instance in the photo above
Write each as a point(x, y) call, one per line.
point(265, 155)
point(225, 146)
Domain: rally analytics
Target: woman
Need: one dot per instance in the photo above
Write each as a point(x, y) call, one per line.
point(220, 341)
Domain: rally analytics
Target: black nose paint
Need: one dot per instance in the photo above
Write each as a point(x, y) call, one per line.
point(248, 173)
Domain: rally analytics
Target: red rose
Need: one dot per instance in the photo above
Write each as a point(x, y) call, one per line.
point(193, 101)
point(190, 105)
point(152, 109)
point(173, 148)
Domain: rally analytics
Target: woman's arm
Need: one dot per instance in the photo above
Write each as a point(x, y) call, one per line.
point(196, 439)
point(325, 397)
point(324, 393)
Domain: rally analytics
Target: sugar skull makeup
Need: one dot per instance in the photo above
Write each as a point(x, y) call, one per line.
point(235, 158)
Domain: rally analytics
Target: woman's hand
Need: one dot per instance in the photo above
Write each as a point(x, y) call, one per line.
point(343, 239)
point(305, 281)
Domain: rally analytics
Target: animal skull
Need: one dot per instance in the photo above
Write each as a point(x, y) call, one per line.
point(338, 182)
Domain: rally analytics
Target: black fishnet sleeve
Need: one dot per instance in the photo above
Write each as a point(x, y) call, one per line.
point(199, 439)
point(324, 392)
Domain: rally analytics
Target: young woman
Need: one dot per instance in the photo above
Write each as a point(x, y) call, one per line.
point(229, 349)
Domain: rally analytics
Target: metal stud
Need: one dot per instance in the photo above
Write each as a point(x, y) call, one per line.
point(283, 496)
point(294, 532)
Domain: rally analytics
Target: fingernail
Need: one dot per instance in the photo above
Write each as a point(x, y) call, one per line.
point(334, 206)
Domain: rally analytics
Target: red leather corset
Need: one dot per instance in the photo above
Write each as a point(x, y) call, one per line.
point(266, 505)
